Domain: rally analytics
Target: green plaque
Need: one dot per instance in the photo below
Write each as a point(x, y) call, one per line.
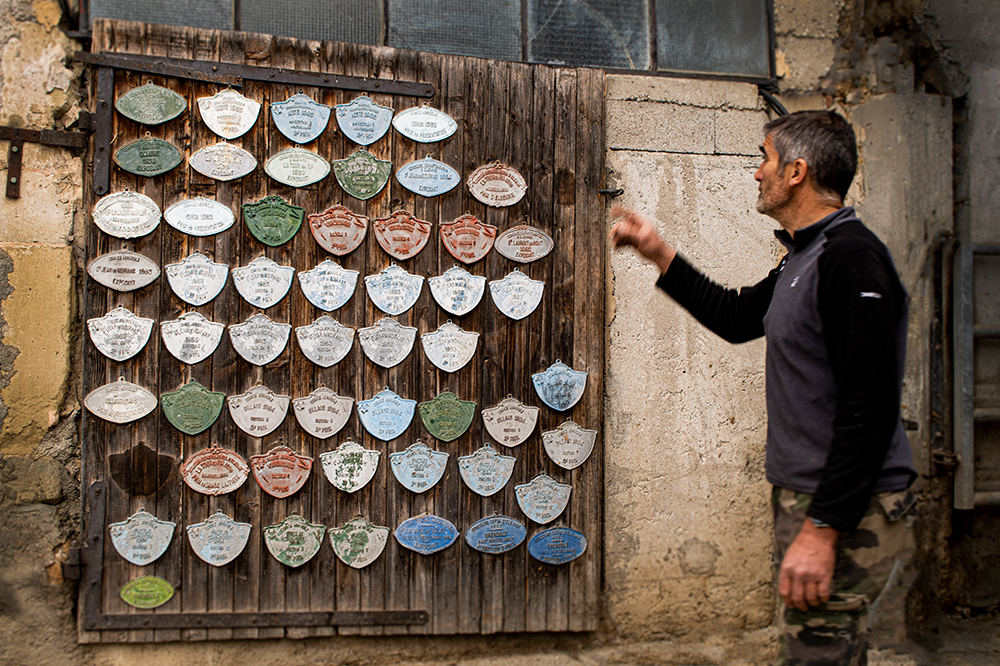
point(148, 157)
point(446, 417)
point(362, 175)
point(147, 592)
point(272, 220)
point(192, 408)
point(151, 104)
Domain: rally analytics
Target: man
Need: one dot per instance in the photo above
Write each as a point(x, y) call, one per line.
point(834, 314)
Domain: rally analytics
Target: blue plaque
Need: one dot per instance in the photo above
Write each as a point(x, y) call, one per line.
point(386, 416)
point(300, 118)
point(560, 387)
point(426, 534)
point(486, 472)
point(419, 467)
point(495, 534)
point(558, 545)
point(428, 177)
point(543, 498)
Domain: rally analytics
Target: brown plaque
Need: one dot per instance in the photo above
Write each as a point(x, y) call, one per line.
point(281, 471)
point(468, 239)
point(338, 230)
point(215, 471)
point(401, 234)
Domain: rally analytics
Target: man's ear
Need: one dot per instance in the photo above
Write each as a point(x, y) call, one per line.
point(797, 172)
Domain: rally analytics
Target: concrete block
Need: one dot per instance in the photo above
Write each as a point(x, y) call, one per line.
point(51, 190)
point(27, 481)
point(659, 127)
point(687, 92)
point(809, 60)
point(807, 18)
point(739, 132)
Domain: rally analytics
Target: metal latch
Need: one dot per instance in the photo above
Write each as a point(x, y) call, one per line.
point(946, 459)
point(18, 137)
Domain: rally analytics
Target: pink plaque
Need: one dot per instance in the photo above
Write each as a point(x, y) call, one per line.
point(468, 239)
point(338, 230)
point(215, 471)
point(401, 234)
point(281, 472)
point(497, 184)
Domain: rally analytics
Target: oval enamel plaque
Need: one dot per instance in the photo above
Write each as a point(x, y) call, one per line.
point(393, 290)
point(517, 295)
point(524, 244)
point(192, 408)
point(569, 445)
point(467, 238)
point(294, 541)
point(215, 471)
point(120, 401)
point(457, 291)
point(281, 472)
point(359, 542)
point(446, 417)
point(259, 340)
point(511, 422)
point(543, 499)
point(147, 592)
point(126, 214)
point(560, 386)
point(262, 282)
point(426, 534)
point(199, 216)
point(338, 230)
point(120, 334)
point(223, 161)
point(495, 534)
point(219, 540)
point(558, 545)
point(419, 467)
point(424, 124)
point(388, 342)
point(151, 104)
point(428, 177)
point(259, 411)
point(123, 270)
point(362, 175)
point(148, 157)
point(497, 185)
point(326, 341)
point(351, 466)
point(300, 118)
point(449, 347)
point(363, 121)
point(142, 538)
point(196, 279)
point(328, 286)
point(401, 234)
point(272, 220)
point(191, 338)
point(322, 413)
point(297, 167)
point(486, 472)
point(386, 416)
point(228, 113)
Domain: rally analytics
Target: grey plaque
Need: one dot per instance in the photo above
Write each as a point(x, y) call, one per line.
point(359, 542)
point(196, 279)
point(328, 286)
point(126, 214)
point(386, 416)
point(497, 185)
point(223, 161)
point(424, 124)
point(560, 387)
point(120, 334)
point(300, 118)
point(123, 270)
point(325, 341)
point(259, 340)
point(543, 499)
point(394, 291)
point(351, 466)
point(569, 445)
point(419, 467)
point(259, 411)
point(450, 348)
point(148, 157)
point(322, 413)
point(120, 401)
point(262, 282)
point(297, 167)
point(199, 216)
point(457, 291)
point(191, 338)
point(151, 104)
point(228, 113)
point(486, 472)
point(363, 121)
point(511, 422)
point(294, 541)
point(142, 538)
point(428, 177)
point(219, 540)
point(517, 295)
point(524, 244)
point(388, 342)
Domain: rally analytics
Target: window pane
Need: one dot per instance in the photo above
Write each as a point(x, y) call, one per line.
point(357, 21)
point(717, 36)
point(480, 28)
point(216, 14)
point(597, 33)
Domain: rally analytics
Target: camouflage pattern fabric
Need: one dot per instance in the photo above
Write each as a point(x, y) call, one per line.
point(836, 633)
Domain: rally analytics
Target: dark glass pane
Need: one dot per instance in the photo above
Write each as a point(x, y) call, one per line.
point(215, 14)
point(598, 33)
point(716, 36)
point(480, 28)
point(357, 21)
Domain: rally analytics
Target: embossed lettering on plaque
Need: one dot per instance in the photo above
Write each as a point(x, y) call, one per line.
point(511, 422)
point(326, 341)
point(147, 592)
point(450, 348)
point(294, 541)
point(191, 338)
point(151, 104)
point(338, 230)
point(495, 534)
point(359, 542)
point(300, 118)
point(362, 175)
point(215, 471)
point(262, 282)
point(386, 416)
point(192, 408)
point(351, 466)
point(419, 467)
point(497, 185)
point(558, 545)
point(517, 295)
point(124, 270)
point(467, 238)
point(428, 177)
point(363, 121)
point(196, 279)
point(228, 113)
point(297, 167)
point(259, 411)
point(142, 538)
point(120, 334)
point(199, 216)
point(457, 291)
point(486, 472)
point(281, 472)
point(388, 342)
point(219, 540)
point(120, 401)
point(222, 161)
point(393, 290)
point(524, 244)
point(328, 286)
point(543, 499)
point(126, 214)
point(426, 534)
point(259, 340)
point(322, 413)
point(560, 387)
point(569, 445)
point(446, 417)
point(272, 220)
point(424, 124)
point(401, 234)
point(148, 156)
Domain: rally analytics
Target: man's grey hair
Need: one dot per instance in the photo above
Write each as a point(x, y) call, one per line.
point(825, 140)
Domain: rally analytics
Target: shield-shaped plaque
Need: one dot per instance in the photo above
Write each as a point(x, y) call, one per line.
point(363, 121)
point(569, 445)
point(338, 230)
point(215, 471)
point(393, 290)
point(497, 185)
point(297, 167)
point(359, 542)
point(294, 541)
point(328, 286)
point(424, 124)
point(192, 408)
point(120, 401)
point(272, 220)
point(446, 417)
point(560, 387)
point(142, 538)
point(511, 421)
point(300, 118)
point(262, 282)
point(351, 466)
point(147, 592)
point(151, 104)
point(123, 270)
point(467, 238)
point(191, 338)
point(228, 113)
point(259, 411)
point(139, 470)
point(199, 216)
point(486, 472)
point(543, 499)
point(517, 295)
point(322, 413)
point(426, 534)
point(126, 214)
point(450, 348)
point(325, 341)
point(219, 540)
point(281, 472)
point(388, 342)
point(495, 534)
point(259, 340)
point(457, 291)
point(401, 234)
point(196, 279)
point(223, 161)
point(428, 177)
point(362, 175)
point(558, 545)
point(524, 244)
point(148, 156)
point(120, 334)
point(419, 467)
point(386, 416)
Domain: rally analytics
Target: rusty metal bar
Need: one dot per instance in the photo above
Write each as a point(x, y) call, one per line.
point(234, 620)
point(161, 66)
point(93, 553)
point(964, 341)
point(15, 153)
point(103, 106)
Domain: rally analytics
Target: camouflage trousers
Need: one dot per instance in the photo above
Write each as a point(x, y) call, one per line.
point(836, 633)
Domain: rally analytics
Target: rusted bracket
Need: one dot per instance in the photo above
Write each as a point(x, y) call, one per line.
point(945, 459)
point(71, 566)
point(18, 137)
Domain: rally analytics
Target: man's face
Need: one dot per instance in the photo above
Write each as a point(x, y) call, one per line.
point(774, 192)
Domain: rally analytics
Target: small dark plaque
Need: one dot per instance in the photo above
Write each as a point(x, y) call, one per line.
point(148, 157)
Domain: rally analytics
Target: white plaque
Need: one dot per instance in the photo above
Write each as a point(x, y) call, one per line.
point(262, 282)
point(351, 466)
point(328, 286)
point(142, 538)
point(497, 185)
point(191, 338)
point(228, 113)
point(124, 270)
point(259, 340)
point(322, 413)
point(297, 167)
point(428, 177)
point(259, 411)
point(517, 295)
point(199, 216)
point(388, 342)
point(326, 341)
point(510, 422)
point(120, 401)
point(424, 124)
point(569, 445)
point(126, 214)
point(363, 121)
point(450, 348)
point(394, 291)
point(197, 279)
point(457, 291)
point(223, 161)
point(120, 334)
point(219, 540)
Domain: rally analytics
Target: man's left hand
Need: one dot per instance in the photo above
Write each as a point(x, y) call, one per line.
point(807, 569)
